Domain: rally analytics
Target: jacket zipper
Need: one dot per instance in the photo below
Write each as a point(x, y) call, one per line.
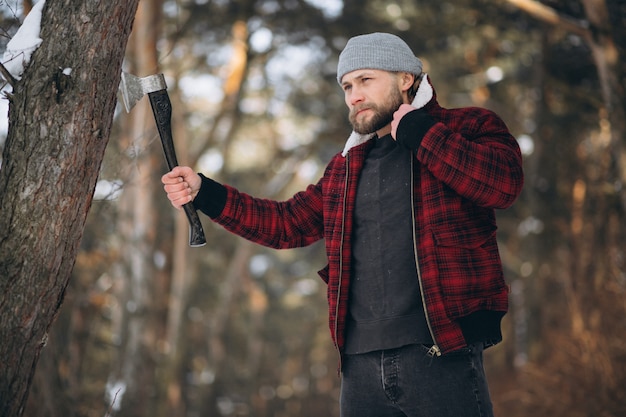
point(343, 229)
point(434, 349)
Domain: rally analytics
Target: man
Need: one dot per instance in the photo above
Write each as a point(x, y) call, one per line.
point(415, 282)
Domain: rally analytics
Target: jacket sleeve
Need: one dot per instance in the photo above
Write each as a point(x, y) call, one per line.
point(479, 159)
point(293, 223)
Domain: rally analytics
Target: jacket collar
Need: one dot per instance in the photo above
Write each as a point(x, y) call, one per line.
point(425, 94)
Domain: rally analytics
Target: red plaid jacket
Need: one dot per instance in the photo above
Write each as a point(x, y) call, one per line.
point(467, 165)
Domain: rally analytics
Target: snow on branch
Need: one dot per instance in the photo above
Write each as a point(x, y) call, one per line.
point(21, 47)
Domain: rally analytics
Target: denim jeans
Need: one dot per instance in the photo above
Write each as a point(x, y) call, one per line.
point(407, 382)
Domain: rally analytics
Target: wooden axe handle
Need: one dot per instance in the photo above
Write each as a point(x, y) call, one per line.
point(162, 109)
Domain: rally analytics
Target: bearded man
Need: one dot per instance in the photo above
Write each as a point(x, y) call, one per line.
point(407, 211)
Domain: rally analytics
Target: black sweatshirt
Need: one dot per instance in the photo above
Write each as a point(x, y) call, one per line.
point(385, 309)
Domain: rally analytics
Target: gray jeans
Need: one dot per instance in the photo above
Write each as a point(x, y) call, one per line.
point(406, 382)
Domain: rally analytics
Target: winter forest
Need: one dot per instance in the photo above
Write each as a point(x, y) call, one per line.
point(105, 309)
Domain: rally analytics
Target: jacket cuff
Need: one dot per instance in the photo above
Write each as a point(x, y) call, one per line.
point(211, 198)
point(412, 128)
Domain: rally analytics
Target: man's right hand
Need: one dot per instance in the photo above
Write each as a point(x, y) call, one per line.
point(182, 185)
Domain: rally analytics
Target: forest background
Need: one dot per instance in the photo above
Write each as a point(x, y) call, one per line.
point(140, 324)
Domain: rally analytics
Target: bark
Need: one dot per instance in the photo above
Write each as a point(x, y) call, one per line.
point(59, 126)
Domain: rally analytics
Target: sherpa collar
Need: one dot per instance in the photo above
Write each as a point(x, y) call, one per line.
point(422, 97)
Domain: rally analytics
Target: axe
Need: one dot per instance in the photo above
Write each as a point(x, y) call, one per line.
point(133, 89)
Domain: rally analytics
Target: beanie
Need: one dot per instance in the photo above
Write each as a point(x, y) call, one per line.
point(381, 51)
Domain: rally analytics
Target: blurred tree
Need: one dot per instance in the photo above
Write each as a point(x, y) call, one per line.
point(579, 199)
point(137, 284)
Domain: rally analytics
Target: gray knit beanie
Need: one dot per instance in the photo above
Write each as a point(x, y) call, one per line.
point(382, 51)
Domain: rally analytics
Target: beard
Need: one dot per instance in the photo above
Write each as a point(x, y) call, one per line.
point(383, 114)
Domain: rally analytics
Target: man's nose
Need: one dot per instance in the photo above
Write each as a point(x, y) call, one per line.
point(356, 96)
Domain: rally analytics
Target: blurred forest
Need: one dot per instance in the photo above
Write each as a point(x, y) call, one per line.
point(152, 327)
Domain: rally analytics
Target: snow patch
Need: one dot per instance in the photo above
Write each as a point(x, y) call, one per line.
point(21, 47)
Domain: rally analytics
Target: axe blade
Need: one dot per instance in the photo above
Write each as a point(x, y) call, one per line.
point(134, 88)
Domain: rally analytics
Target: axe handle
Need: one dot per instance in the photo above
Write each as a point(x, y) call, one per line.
point(162, 109)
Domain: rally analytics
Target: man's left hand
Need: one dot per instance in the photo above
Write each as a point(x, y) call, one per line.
point(398, 115)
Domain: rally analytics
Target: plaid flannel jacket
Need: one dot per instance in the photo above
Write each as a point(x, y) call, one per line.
point(467, 165)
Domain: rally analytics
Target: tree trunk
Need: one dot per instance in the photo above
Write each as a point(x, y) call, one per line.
point(181, 277)
point(131, 381)
point(60, 117)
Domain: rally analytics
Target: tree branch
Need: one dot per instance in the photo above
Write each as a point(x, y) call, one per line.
point(549, 15)
point(7, 76)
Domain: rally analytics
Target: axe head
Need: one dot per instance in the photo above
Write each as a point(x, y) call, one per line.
point(134, 88)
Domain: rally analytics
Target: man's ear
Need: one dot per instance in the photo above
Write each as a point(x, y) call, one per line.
point(408, 80)
point(408, 84)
